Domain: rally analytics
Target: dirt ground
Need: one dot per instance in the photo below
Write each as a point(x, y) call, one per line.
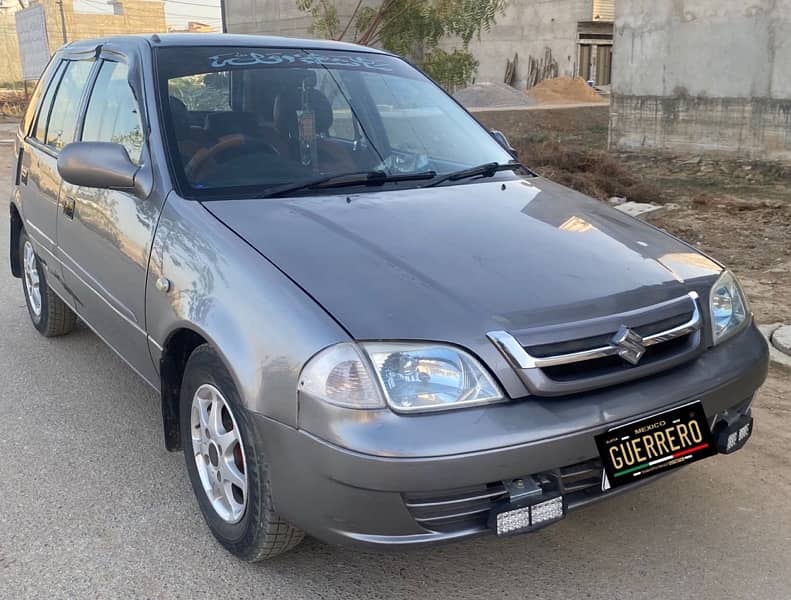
point(737, 211)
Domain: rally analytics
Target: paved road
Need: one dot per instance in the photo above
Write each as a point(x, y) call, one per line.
point(91, 505)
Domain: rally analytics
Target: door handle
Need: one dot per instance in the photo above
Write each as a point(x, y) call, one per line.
point(68, 206)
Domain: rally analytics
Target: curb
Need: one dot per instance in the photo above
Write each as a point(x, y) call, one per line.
point(775, 356)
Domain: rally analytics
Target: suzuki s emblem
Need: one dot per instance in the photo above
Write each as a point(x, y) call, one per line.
point(629, 345)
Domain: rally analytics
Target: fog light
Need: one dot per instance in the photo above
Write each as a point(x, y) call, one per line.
point(551, 510)
point(513, 520)
point(524, 518)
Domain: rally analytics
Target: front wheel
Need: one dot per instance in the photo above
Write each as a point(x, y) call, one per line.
point(50, 315)
point(227, 471)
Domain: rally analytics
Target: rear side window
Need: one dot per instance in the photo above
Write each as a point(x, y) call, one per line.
point(40, 131)
point(41, 86)
point(66, 106)
point(113, 114)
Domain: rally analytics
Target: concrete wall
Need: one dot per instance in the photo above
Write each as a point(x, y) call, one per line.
point(693, 76)
point(527, 27)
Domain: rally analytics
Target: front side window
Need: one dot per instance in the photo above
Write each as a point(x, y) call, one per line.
point(248, 120)
point(113, 114)
point(66, 105)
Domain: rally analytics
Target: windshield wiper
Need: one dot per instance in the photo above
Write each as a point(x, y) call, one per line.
point(368, 178)
point(484, 170)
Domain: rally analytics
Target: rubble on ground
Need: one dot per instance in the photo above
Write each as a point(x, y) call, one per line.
point(492, 95)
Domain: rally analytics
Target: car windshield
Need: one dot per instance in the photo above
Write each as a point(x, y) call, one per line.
point(248, 120)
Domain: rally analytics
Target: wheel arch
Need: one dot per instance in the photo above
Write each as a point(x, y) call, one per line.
point(16, 229)
point(176, 351)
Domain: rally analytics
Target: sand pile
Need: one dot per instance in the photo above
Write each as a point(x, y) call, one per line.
point(492, 95)
point(564, 90)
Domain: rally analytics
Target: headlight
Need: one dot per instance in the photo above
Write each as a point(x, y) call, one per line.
point(408, 377)
point(419, 378)
point(729, 312)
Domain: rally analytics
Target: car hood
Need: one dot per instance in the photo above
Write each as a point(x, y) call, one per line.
point(451, 263)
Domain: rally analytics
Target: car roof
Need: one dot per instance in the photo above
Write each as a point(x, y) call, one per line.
point(230, 40)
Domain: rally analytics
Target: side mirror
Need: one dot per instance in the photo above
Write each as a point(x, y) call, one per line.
point(503, 141)
point(98, 165)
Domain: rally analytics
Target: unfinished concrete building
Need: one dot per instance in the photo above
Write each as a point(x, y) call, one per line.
point(703, 77)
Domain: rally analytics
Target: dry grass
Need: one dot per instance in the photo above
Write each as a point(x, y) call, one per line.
point(12, 103)
point(592, 172)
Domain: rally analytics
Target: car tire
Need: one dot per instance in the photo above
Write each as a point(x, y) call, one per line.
point(50, 315)
point(257, 533)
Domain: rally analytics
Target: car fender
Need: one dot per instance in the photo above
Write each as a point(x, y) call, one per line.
point(204, 278)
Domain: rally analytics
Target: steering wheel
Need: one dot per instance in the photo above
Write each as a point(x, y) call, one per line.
point(226, 148)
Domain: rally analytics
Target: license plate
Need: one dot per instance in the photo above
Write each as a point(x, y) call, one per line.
point(656, 444)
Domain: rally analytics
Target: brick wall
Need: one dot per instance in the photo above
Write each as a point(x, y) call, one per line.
point(135, 16)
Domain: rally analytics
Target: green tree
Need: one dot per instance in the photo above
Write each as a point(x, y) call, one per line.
point(413, 28)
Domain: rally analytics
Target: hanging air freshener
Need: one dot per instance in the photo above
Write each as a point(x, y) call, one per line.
point(306, 118)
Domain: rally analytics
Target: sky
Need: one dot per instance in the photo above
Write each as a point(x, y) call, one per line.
point(178, 12)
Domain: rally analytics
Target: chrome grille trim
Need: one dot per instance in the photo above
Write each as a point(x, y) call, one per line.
point(520, 358)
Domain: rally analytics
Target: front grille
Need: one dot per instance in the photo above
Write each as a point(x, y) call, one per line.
point(585, 355)
point(580, 345)
point(468, 508)
point(615, 364)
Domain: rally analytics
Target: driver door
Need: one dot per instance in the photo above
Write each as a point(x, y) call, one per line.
point(105, 236)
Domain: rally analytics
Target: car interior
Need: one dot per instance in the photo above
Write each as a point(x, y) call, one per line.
point(267, 119)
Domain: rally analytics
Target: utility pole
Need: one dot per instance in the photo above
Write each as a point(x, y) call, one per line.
point(62, 21)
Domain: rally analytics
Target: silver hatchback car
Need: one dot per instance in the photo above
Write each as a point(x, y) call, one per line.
point(365, 318)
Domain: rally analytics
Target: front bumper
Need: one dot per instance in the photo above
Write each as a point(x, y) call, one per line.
point(391, 498)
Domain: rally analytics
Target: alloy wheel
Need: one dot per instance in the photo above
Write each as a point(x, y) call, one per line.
point(219, 453)
point(32, 279)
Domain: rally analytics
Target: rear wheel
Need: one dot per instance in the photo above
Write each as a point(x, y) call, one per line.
point(50, 315)
point(227, 471)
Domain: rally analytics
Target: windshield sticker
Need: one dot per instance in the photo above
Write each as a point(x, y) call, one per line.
point(246, 59)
